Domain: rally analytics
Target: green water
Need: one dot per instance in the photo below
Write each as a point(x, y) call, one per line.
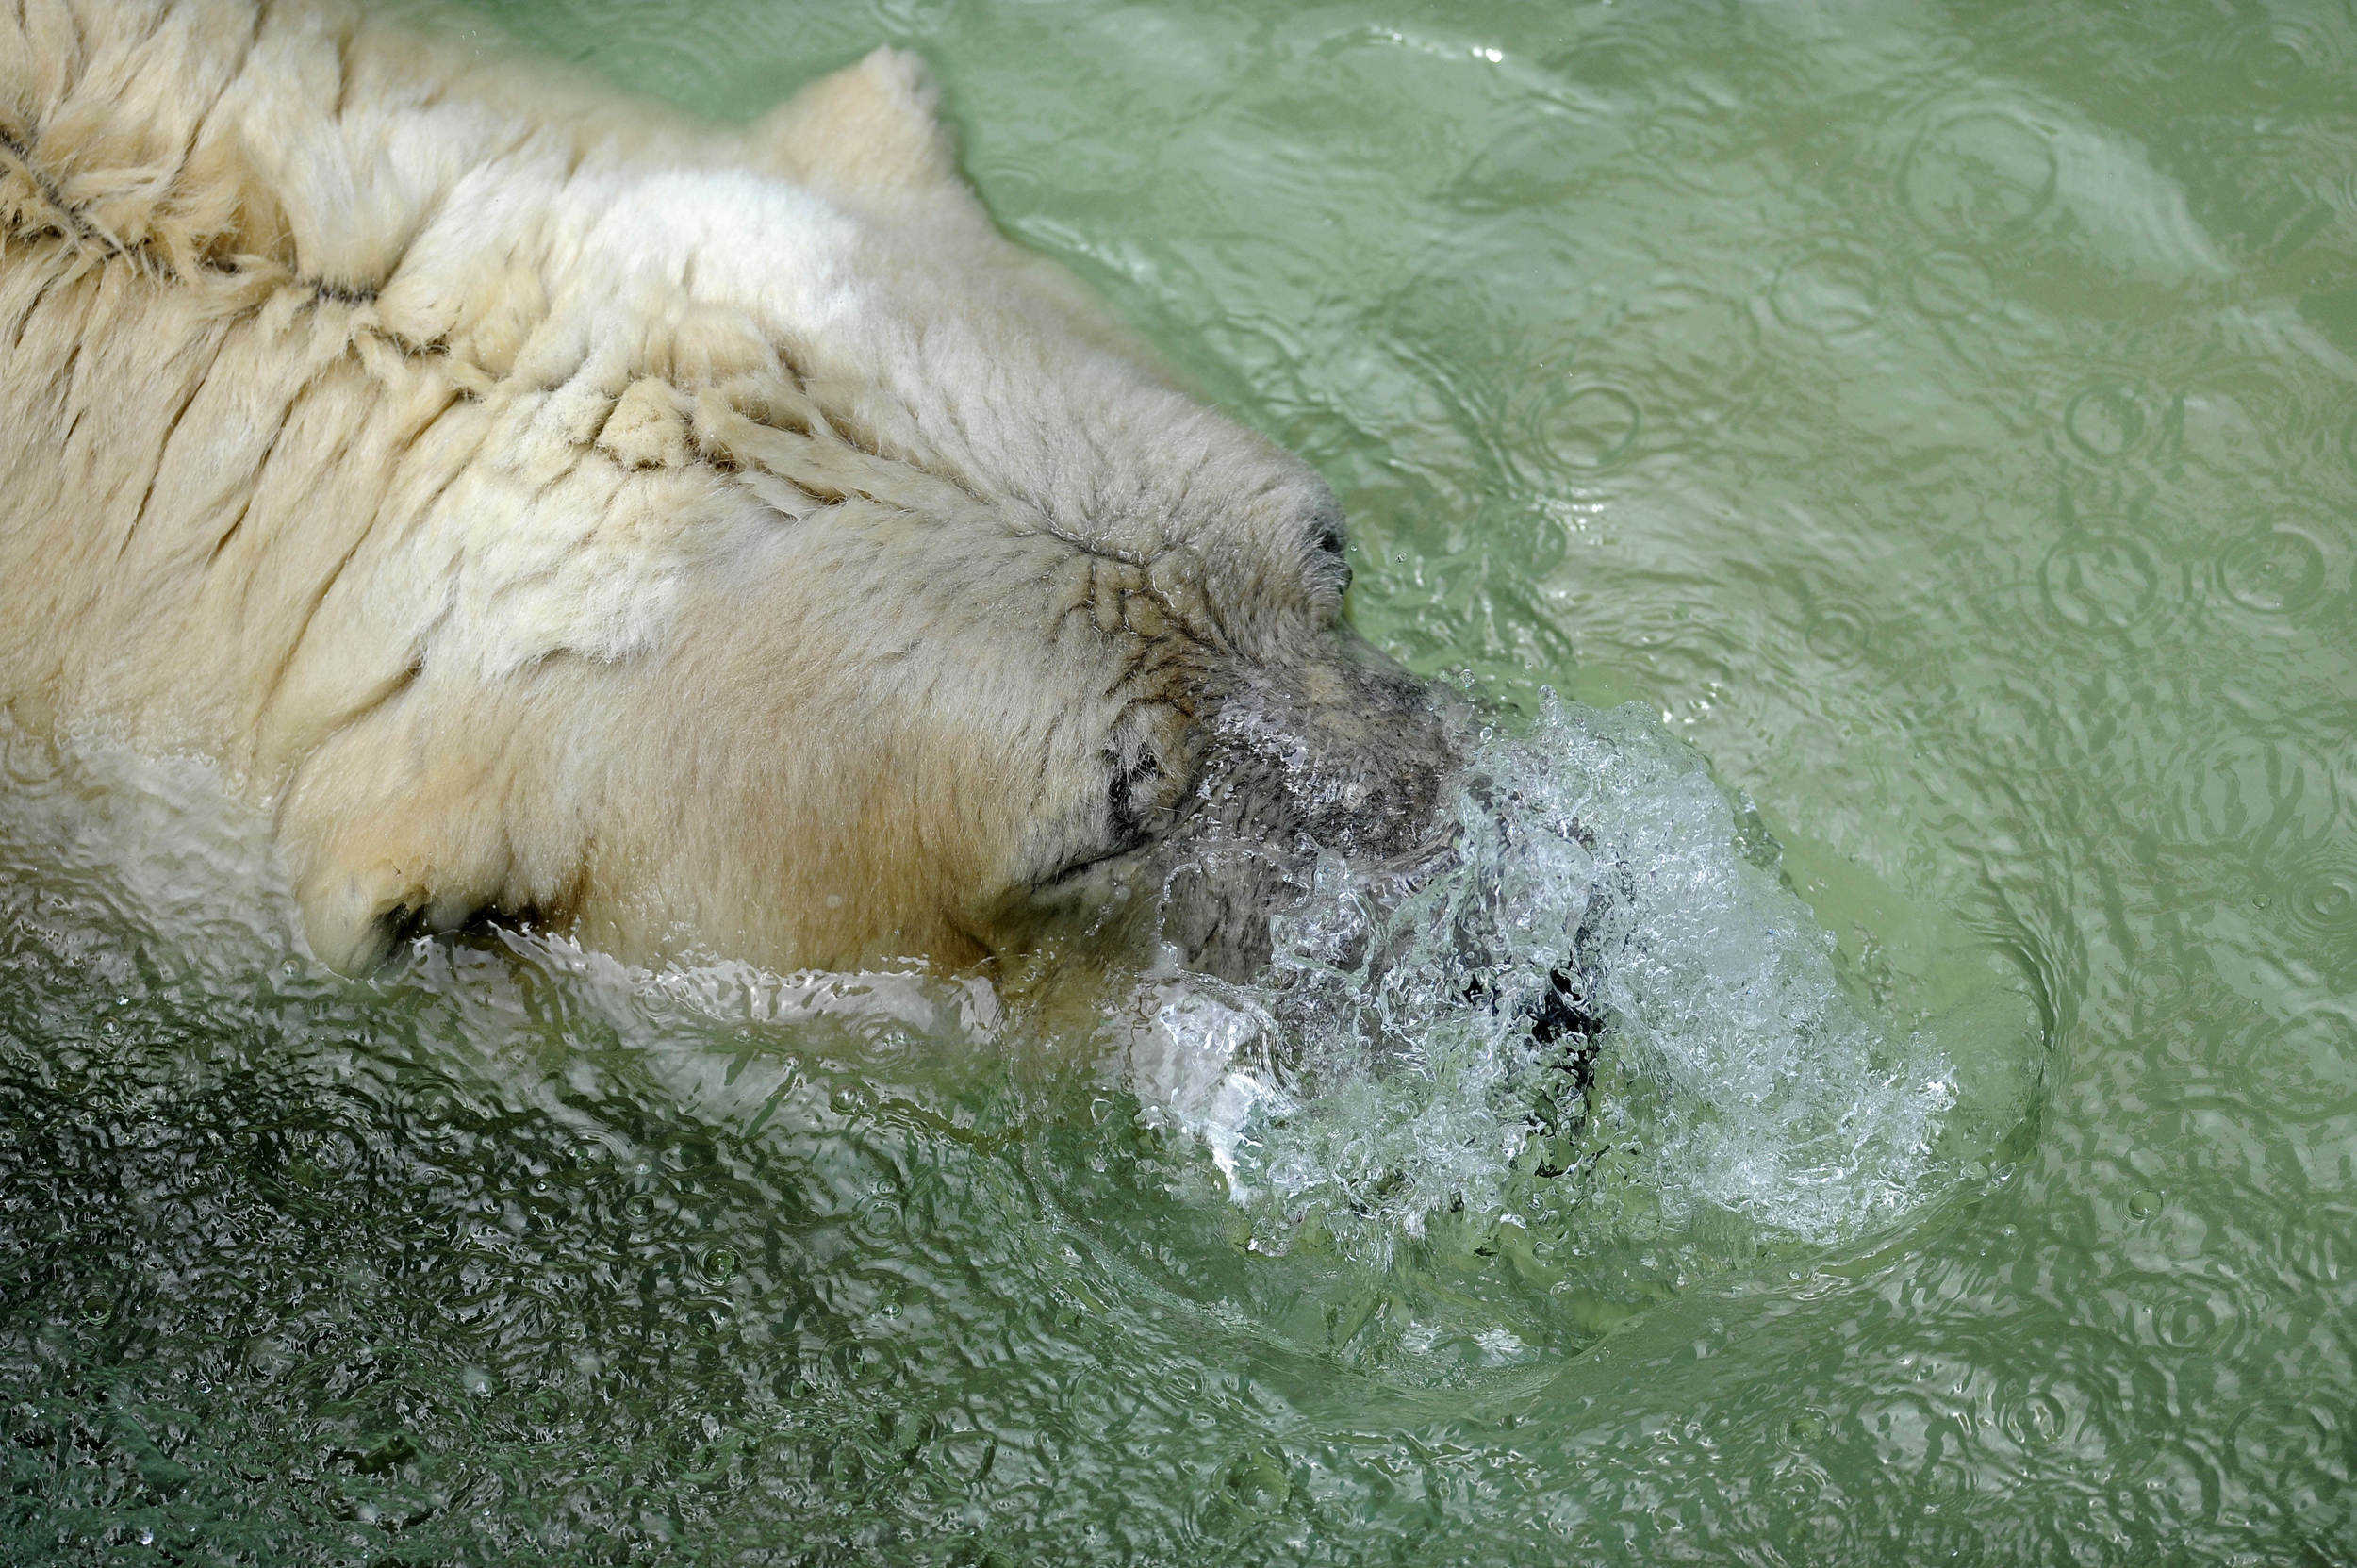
point(1943, 417)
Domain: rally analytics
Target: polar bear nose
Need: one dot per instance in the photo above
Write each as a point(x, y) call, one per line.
point(1348, 756)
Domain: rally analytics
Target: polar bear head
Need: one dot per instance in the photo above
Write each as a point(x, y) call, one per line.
point(836, 585)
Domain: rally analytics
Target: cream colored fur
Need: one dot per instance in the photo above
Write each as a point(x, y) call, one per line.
point(540, 506)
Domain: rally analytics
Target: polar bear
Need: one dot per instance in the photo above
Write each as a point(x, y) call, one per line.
point(546, 510)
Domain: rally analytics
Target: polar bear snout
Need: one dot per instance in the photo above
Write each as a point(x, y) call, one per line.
point(1348, 753)
point(1341, 759)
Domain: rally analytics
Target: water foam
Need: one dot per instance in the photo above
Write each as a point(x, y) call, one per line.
point(1386, 1068)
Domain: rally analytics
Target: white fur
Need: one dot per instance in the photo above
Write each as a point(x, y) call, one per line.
point(539, 505)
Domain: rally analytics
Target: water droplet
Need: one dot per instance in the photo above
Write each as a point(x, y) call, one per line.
point(1837, 633)
point(1259, 1481)
point(2183, 1321)
point(2327, 901)
point(2305, 1070)
point(1983, 173)
point(2144, 1203)
point(2037, 1419)
point(2276, 1441)
point(2279, 572)
point(719, 1265)
point(879, 1221)
point(1592, 427)
point(2105, 421)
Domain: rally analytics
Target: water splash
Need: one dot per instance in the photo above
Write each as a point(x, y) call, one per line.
point(1610, 997)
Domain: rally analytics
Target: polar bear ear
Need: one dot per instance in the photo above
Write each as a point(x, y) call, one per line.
point(869, 136)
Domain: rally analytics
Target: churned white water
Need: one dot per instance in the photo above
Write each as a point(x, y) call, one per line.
point(1386, 1068)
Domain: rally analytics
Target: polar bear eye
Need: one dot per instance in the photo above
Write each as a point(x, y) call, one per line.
point(1128, 806)
point(1328, 544)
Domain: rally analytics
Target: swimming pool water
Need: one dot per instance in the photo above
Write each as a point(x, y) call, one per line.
point(1941, 416)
